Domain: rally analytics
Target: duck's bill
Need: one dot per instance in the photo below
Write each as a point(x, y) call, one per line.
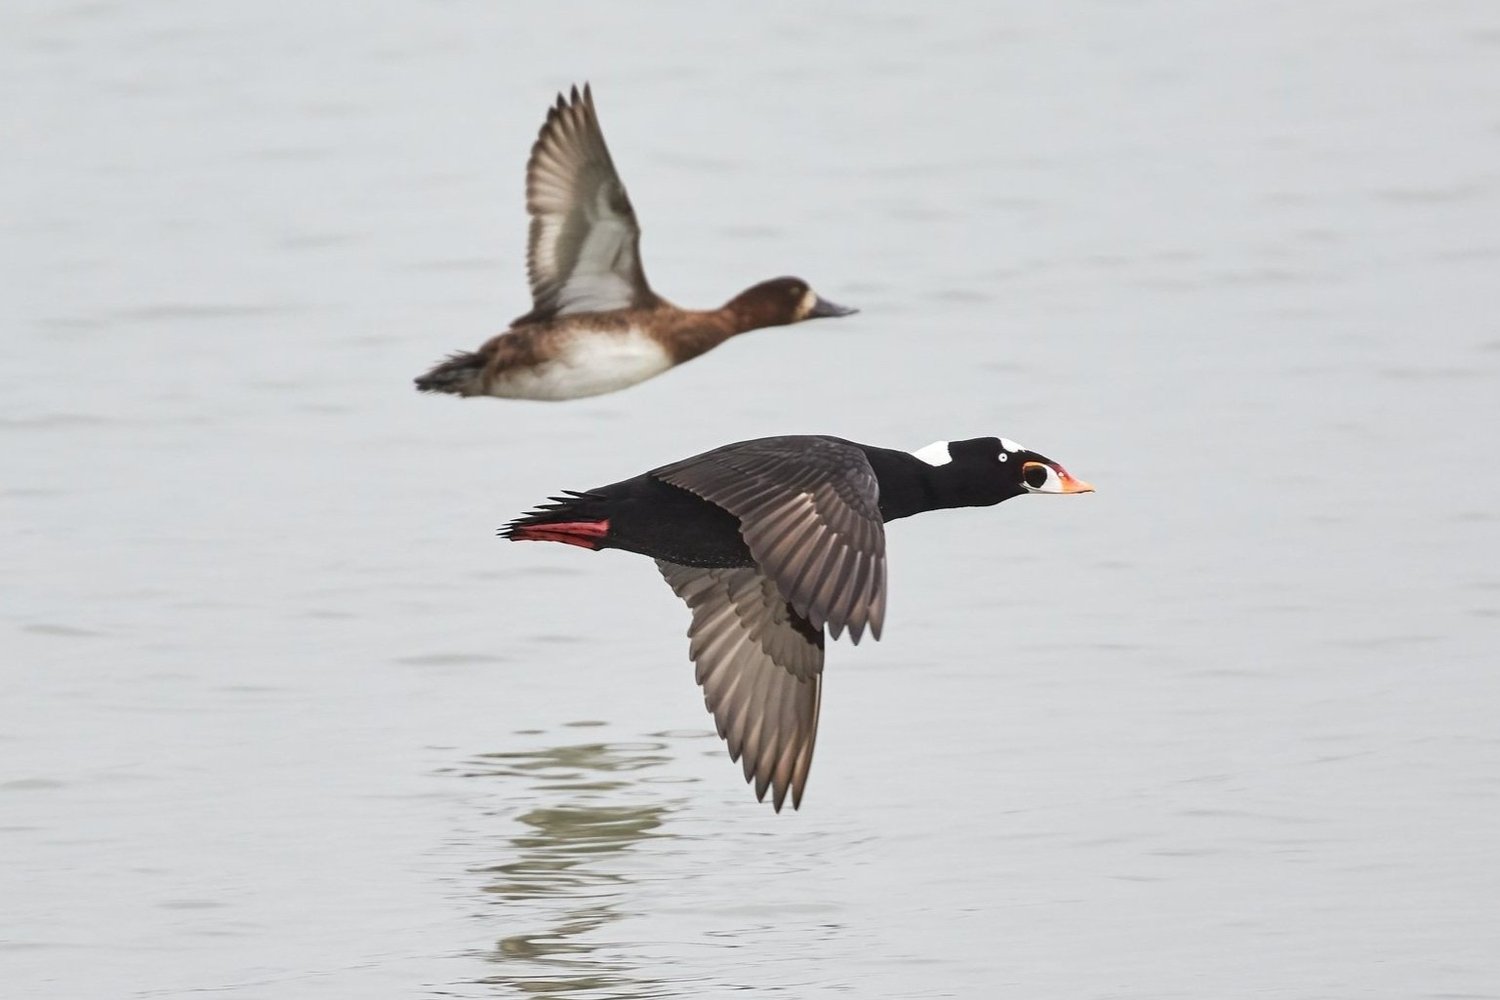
point(1071, 485)
point(1044, 477)
point(822, 307)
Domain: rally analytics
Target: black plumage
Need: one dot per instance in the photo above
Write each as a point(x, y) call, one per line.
point(771, 541)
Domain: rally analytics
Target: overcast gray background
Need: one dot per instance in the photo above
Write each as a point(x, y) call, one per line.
point(280, 718)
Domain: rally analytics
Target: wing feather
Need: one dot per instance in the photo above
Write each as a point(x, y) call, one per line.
point(760, 665)
point(584, 247)
point(809, 511)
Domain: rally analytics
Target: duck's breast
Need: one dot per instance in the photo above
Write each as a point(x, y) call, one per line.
point(585, 362)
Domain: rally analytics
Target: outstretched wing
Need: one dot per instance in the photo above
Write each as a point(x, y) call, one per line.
point(809, 510)
point(584, 253)
point(760, 665)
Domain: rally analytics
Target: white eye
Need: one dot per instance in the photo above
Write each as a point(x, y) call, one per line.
point(1044, 477)
point(1040, 478)
point(1004, 457)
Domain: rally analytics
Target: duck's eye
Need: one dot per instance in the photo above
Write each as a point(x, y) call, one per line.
point(1036, 475)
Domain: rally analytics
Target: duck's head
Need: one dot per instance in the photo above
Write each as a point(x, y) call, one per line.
point(984, 471)
point(781, 301)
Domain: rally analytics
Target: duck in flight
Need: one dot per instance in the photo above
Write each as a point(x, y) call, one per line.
point(770, 543)
point(595, 325)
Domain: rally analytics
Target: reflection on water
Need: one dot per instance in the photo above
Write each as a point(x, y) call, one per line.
point(564, 880)
point(1240, 269)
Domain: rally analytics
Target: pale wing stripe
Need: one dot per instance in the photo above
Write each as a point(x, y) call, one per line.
point(584, 246)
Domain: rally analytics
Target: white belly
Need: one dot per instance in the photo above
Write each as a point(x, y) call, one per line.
point(589, 365)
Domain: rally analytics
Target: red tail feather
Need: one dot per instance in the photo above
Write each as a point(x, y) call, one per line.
point(585, 534)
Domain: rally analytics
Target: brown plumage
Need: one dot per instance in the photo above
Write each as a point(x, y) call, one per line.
point(596, 325)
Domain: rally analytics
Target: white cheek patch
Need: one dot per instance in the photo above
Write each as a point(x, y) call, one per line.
point(1009, 445)
point(936, 453)
point(809, 299)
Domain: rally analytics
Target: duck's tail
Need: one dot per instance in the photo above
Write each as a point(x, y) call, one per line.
point(573, 519)
point(461, 374)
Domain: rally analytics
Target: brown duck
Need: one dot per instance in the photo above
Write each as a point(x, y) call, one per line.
point(595, 325)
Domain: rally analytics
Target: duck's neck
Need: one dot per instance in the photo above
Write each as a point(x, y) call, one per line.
point(699, 331)
point(910, 486)
point(752, 311)
point(689, 334)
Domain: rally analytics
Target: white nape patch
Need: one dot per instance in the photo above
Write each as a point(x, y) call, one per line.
point(591, 363)
point(1010, 445)
point(936, 453)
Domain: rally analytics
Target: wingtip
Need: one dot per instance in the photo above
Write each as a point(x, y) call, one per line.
point(778, 795)
point(765, 783)
point(795, 789)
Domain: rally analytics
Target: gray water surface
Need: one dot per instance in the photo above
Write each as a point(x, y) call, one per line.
point(280, 718)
